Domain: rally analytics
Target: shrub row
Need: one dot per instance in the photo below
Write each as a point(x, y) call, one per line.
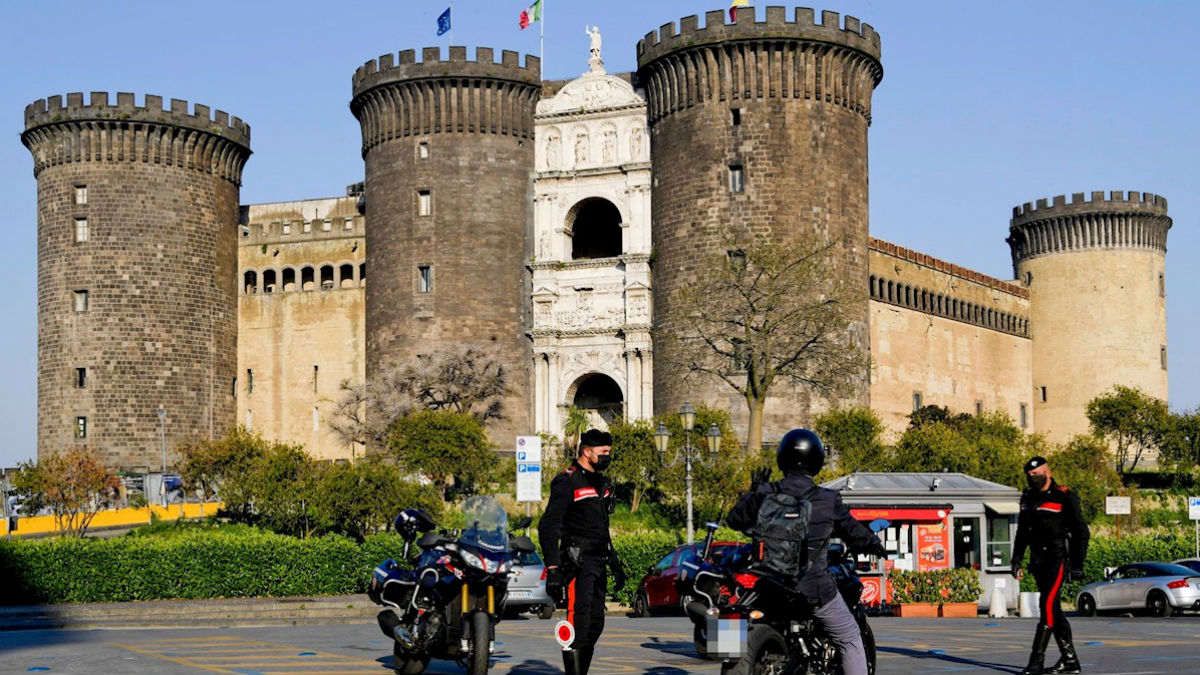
point(1112, 552)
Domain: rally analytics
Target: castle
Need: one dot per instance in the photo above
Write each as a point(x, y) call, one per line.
point(552, 223)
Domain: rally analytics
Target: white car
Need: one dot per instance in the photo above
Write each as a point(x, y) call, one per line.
point(1159, 588)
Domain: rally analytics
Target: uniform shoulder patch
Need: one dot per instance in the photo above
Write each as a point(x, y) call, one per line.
point(569, 471)
point(1061, 488)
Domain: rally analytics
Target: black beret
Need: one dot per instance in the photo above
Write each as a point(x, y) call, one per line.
point(594, 438)
point(1035, 463)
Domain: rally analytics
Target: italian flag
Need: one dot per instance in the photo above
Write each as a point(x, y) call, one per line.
point(733, 8)
point(531, 14)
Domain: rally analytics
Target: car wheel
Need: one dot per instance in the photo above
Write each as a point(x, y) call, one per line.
point(1157, 603)
point(546, 611)
point(1086, 605)
point(641, 605)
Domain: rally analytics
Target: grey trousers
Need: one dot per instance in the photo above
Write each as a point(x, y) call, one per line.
point(843, 630)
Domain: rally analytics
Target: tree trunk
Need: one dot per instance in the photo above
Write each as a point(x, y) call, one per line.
point(636, 501)
point(754, 431)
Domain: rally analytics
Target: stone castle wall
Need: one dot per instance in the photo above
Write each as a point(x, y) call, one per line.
point(302, 319)
point(158, 266)
point(948, 335)
point(787, 101)
point(1095, 270)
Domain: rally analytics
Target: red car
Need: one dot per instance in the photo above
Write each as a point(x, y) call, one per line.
point(656, 591)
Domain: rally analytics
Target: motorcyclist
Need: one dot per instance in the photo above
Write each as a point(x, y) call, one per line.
point(1051, 526)
point(800, 456)
point(577, 546)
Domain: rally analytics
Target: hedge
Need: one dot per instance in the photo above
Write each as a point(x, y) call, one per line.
point(1112, 552)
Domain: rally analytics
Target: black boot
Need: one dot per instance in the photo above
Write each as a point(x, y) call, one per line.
point(1037, 656)
point(573, 662)
point(585, 654)
point(1068, 662)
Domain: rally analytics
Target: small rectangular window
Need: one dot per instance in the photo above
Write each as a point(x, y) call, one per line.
point(81, 229)
point(424, 203)
point(80, 427)
point(978, 408)
point(916, 401)
point(249, 419)
point(737, 116)
point(81, 378)
point(316, 371)
point(1043, 394)
point(81, 300)
point(1024, 416)
point(737, 179)
point(1162, 286)
point(81, 194)
point(423, 149)
point(287, 228)
point(424, 279)
point(233, 387)
point(1162, 356)
point(349, 224)
point(307, 226)
point(249, 380)
point(326, 225)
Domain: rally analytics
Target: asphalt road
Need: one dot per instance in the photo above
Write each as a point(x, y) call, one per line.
point(652, 646)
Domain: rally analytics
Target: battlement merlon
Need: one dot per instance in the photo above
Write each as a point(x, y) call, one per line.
point(1117, 201)
point(846, 31)
point(404, 66)
point(52, 110)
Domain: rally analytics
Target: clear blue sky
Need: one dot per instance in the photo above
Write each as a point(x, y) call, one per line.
point(983, 105)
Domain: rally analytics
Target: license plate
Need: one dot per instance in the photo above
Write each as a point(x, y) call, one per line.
point(520, 594)
point(726, 637)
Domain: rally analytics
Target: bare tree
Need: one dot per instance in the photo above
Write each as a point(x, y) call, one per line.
point(767, 312)
point(468, 380)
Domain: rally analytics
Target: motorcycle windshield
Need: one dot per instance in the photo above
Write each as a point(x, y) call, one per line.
point(486, 524)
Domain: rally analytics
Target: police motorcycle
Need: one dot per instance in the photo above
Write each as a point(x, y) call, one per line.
point(757, 624)
point(709, 581)
point(446, 605)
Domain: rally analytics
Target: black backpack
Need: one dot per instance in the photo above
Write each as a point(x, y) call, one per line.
point(781, 533)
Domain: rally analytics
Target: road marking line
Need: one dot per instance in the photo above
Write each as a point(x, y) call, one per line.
point(158, 655)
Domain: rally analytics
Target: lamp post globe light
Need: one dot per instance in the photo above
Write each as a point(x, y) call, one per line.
point(162, 438)
point(689, 454)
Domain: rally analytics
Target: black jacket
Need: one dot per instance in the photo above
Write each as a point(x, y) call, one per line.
point(829, 518)
point(1051, 526)
point(580, 502)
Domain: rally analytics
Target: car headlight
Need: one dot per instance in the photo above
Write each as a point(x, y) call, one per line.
point(473, 560)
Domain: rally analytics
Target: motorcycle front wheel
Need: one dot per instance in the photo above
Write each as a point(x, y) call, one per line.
point(765, 654)
point(477, 660)
point(868, 638)
point(407, 664)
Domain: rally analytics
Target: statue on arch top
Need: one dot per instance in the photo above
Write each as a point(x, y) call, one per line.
point(596, 63)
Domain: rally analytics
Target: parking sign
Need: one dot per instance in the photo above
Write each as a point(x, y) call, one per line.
point(1194, 508)
point(529, 468)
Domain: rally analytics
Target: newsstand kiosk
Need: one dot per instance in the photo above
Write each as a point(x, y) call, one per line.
point(938, 521)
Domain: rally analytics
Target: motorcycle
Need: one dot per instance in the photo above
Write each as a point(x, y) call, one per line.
point(757, 624)
point(446, 605)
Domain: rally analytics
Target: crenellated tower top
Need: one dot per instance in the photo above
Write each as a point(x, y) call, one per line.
point(51, 110)
point(404, 66)
point(1119, 220)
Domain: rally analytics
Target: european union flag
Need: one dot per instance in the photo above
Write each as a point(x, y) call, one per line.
point(444, 22)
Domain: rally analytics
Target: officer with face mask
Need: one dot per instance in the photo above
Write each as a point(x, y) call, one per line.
point(1051, 526)
point(577, 547)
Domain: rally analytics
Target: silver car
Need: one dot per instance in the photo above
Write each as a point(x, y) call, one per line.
point(527, 587)
point(1160, 588)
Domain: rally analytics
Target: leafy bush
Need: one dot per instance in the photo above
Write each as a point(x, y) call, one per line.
point(935, 586)
point(1112, 552)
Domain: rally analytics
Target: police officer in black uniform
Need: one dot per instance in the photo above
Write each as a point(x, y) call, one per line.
point(1051, 526)
point(800, 456)
point(577, 547)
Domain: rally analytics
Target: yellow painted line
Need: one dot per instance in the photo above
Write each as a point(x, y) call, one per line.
point(209, 638)
point(182, 662)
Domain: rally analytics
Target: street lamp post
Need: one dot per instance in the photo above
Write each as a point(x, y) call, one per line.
point(162, 439)
point(662, 441)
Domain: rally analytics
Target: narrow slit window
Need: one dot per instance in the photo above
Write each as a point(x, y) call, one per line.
point(736, 114)
point(316, 371)
point(737, 179)
point(80, 427)
point(1024, 416)
point(424, 203)
point(423, 150)
point(249, 380)
point(1162, 286)
point(81, 378)
point(81, 229)
point(233, 387)
point(316, 419)
point(82, 300)
point(425, 279)
point(1162, 356)
point(1043, 394)
point(81, 195)
point(917, 401)
point(978, 408)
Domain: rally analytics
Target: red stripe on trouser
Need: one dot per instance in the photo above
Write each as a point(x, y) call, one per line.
point(571, 602)
point(1049, 613)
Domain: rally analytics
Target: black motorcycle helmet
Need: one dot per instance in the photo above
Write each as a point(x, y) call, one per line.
point(800, 450)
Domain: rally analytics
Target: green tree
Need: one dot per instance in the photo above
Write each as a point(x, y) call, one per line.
point(1002, 448)
point(1083, 465)
point(449, 448)
point(73, 483)
point(936, 447)
point(716, 484)
point(768, 313)
point(282, 486)
point(636, 463)
point(1130, 419)
point(208, 464)
point(364, 497)
point(1181, 444)
point(853, 437)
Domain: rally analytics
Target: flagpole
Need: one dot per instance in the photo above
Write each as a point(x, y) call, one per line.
point(451, 23)
point(542, 46)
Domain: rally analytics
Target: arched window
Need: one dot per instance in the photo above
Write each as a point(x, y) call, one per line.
point(874, 294)
point(269, 281)
point(891, 296)
point(289, 279)
point(306, 278)
point(595, 226)
point(362, 274)
point(250, 282)
point(346, 276)
point(326, 277)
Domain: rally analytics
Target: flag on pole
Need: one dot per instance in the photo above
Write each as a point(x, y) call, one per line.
point(531, 14)
point(733, 8)
point(444, 22)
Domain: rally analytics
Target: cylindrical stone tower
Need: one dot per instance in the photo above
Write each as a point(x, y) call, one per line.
point(137, 253)
point(1097, 295)
point(448, 147)
point(759, 128)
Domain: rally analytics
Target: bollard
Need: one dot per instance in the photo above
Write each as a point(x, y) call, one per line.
point(998, 605)
point(1028, 608)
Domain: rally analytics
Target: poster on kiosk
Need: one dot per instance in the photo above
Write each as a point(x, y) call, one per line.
point(917, 540)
